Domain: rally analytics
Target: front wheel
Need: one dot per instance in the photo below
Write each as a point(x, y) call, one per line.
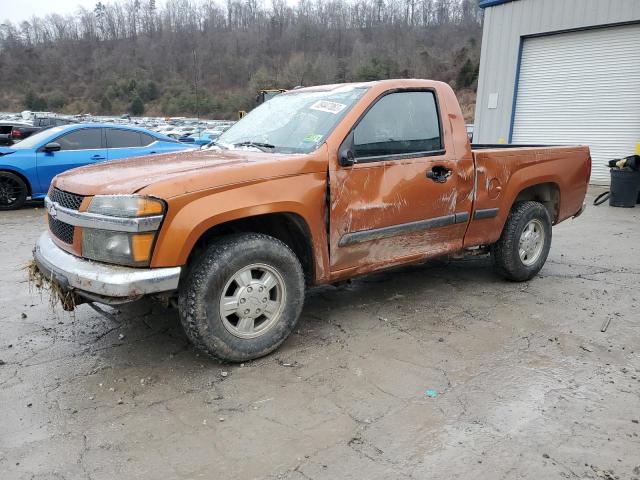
point(524, 245)
point(13, 191)
point(243, 297)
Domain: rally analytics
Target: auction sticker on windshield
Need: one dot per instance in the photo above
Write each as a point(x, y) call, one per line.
point(312, 138)
point(327, 106)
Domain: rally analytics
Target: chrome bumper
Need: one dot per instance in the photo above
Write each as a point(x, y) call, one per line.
point(100, 281)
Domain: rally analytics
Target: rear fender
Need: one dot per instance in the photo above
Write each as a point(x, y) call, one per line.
point(490, 214)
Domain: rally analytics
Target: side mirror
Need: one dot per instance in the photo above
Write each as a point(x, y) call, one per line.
point(52, 147)
point(346, 155)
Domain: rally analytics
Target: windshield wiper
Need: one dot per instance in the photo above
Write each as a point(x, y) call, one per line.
point(261, 146)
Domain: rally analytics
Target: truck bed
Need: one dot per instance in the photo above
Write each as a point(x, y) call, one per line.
point(508, 173)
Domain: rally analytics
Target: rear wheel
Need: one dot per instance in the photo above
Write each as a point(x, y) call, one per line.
point(524, 245)
point(13, 191)
point(243, 297)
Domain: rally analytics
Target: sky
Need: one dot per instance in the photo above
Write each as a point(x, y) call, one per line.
point(25, 9)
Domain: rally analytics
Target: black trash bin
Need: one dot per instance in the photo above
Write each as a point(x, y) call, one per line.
point(625, 186)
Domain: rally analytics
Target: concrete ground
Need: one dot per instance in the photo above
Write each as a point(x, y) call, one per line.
point(433, 371)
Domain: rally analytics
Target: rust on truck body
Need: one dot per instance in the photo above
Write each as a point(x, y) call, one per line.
point(359, 218)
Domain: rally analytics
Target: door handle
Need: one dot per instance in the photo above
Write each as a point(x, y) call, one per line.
point(439, 174)
point(98, 157)
point(153, 151)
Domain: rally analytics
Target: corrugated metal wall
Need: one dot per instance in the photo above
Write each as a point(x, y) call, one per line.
point(582, 88)
point(505, 24)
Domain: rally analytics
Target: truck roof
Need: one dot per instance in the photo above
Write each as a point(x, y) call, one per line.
point(395, 83)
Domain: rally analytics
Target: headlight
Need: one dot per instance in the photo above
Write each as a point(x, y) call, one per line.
point(126, 206)
point(133, 249)
point(119, 247)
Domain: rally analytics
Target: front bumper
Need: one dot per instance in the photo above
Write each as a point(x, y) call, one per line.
point(99, 281)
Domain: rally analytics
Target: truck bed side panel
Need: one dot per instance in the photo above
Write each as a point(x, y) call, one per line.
point(502, 174)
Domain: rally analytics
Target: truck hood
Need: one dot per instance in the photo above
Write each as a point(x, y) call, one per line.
point(172, 174)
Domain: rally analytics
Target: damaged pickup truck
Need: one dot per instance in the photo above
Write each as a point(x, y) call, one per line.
point(315, 186)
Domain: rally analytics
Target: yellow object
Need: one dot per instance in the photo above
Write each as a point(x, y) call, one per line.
point(141, 246)
point(501, 141)
point(637, 148)
point(147, 206)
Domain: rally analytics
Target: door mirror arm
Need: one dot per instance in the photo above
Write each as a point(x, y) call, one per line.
point(346, 154)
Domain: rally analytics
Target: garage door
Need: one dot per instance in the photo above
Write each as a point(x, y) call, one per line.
point(582, 88)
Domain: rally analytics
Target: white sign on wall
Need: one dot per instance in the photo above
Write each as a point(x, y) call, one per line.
point(493, 101)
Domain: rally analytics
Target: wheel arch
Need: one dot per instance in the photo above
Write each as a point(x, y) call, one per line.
point(22, 176)
point(288, 227)
point(547, 190)
point(546, 193)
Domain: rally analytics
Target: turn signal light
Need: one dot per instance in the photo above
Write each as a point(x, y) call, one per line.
point(141, 245)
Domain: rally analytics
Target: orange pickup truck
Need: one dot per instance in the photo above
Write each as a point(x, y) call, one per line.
point(315, 186)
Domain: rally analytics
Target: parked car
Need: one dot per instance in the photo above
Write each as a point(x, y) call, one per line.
point(27, 167)
point(203, 138)
point(53, 121)
point(11, 132)
point(315, 186)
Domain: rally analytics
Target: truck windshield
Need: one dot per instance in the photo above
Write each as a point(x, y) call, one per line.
point(293, 122)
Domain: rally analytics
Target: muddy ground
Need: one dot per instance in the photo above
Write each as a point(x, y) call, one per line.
point(522, 383)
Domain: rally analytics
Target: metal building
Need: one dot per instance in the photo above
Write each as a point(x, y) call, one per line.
point(561, 72)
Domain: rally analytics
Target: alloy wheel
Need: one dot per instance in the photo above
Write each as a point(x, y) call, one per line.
point(252, 301)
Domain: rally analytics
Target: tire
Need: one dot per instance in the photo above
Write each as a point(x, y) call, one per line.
point(209, 300)
point(510, 260)
point(13, 191)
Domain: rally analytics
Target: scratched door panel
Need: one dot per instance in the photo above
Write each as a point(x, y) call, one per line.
point(381, 213)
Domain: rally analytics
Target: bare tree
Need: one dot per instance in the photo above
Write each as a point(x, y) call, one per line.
point(100, 59)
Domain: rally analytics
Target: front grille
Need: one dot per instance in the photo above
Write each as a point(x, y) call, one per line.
point(62, 231)
point(65, 199)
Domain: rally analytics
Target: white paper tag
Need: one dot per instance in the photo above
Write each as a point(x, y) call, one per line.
point(327, 106)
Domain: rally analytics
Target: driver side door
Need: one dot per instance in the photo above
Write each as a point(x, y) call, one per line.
point(77, 148)
point(398, 200)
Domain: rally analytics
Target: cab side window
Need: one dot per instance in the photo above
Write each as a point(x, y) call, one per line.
point(398, 124)
point(146, 139)
point(85, 139)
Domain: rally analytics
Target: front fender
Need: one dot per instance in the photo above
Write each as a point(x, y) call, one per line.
point(23, 167)
point(190, 216)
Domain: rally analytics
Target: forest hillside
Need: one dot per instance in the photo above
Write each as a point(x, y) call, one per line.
point(208, 58)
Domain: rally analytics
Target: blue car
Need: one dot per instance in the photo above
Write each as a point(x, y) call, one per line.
point(200, 139)
point(27, 168)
